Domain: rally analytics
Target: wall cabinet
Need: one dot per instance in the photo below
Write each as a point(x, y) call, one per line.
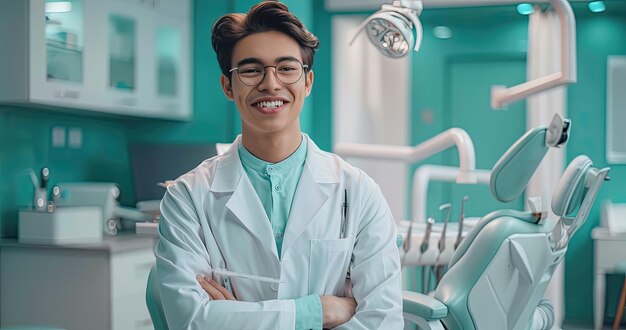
point(129, 57)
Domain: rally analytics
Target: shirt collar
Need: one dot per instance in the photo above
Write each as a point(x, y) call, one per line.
point(294, 160)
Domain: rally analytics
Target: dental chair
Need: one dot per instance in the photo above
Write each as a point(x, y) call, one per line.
point(497, 276)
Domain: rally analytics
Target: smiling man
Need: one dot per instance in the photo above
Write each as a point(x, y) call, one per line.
point(275, 233)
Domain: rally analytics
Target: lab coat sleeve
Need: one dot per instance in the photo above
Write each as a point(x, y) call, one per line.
point(182, 253)
point(376, 273)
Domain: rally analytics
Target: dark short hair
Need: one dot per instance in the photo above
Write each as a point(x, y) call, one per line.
point(263, 17)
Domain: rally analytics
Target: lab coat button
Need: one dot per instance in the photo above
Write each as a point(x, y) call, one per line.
point(274, 287)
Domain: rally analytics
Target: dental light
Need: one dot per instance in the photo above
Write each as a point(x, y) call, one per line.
point(391, 28)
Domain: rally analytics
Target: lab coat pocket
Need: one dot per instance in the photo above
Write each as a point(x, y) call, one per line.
point(328, 265)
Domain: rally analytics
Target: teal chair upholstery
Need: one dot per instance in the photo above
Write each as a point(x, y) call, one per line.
point(153, 301)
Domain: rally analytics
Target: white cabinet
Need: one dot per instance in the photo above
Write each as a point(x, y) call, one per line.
point(97, 286)
point(129, 57)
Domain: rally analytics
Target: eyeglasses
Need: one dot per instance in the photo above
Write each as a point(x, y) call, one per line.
point(287, 72)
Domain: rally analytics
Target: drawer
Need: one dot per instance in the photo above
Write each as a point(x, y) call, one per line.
point(130, 313)
point(129, 272)
point(609, 252)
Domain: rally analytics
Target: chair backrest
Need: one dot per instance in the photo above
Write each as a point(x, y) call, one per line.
point(153, 301)
point(502, 275)
point(499, 273)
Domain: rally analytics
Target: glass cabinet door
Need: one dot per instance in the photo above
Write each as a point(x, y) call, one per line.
point(64, 40)
point(168, 62)
point(122, 52)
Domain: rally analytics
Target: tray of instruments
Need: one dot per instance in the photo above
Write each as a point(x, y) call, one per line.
point(428, 250)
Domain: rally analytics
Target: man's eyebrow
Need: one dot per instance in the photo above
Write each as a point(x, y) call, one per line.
point(286, 58)
point(249, 60)
point(255, 60)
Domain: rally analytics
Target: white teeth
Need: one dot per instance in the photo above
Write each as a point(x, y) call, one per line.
point(270, 104)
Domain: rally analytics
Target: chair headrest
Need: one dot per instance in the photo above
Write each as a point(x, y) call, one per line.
point(570, 191)
point(510, 175)
point(512, 172)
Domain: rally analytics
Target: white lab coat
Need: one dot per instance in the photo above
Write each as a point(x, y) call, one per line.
point(212, 217)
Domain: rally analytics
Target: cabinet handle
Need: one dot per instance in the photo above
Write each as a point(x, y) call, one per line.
point(127, 101)
point(67, 94)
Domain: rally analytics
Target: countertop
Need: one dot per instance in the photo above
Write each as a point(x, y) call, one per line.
point(122, 242)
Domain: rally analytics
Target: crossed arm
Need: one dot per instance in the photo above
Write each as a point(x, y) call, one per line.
point(335, 310)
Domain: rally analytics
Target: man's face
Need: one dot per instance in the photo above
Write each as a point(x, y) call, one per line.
point(271, 106)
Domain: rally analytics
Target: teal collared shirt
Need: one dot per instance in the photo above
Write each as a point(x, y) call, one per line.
point(275, 184)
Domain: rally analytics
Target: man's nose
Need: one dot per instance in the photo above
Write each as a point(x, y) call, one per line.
point(270, 81)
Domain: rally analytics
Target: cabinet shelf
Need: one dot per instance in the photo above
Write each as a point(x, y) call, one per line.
point(57, 46)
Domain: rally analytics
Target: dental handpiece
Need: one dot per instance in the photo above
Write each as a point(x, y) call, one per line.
point(442, 239)
point(459, 235)
point(41, 193)
point(423, 249)
point(45, 174)
point(429, 227)
point(56, 194)
point(406, 245)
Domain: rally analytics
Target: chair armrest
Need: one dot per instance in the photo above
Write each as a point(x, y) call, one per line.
point(423, 306)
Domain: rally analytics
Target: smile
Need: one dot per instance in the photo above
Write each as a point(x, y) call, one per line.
point(272, 106)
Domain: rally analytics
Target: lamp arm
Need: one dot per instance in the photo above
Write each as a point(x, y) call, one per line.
point(501, 96)
point(359, 28)
point(438, 143)
point(419, 32)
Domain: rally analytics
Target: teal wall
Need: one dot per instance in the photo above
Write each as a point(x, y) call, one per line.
point(25, 143)
point(451, 80)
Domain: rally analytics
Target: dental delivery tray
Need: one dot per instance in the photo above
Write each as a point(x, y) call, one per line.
point(426, 252)
point(66, 225)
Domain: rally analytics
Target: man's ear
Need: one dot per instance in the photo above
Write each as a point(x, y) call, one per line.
point(308, 82)
point(227, 87)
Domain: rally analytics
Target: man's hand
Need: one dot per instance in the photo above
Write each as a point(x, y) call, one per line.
point(337, 310)
point(215, 291)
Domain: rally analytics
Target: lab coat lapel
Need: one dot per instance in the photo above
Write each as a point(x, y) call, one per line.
point(314, 188)
point(244, 202)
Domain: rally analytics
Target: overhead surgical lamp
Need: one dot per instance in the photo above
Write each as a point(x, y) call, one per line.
point(391, 28)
